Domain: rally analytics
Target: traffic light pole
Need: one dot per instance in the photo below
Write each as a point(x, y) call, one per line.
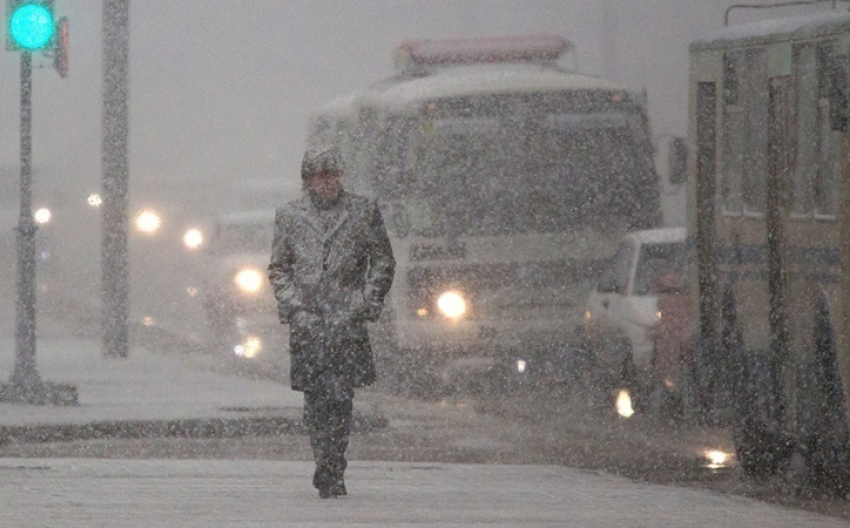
point(25, 384)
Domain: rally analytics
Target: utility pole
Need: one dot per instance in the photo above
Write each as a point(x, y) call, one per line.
point(114, 253)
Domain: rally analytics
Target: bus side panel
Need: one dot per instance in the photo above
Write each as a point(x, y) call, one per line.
point(705, 80)
point(775, 255)
point(840, 300)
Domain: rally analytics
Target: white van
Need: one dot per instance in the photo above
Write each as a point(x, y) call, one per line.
point(622, 310)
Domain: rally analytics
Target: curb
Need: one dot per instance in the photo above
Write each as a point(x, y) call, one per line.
point(183, 428)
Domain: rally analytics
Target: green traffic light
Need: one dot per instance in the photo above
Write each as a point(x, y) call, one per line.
point(32, 26)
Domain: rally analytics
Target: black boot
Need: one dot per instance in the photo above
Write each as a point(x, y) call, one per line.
point(337, 489)
point(323, 479)
point(325, 492)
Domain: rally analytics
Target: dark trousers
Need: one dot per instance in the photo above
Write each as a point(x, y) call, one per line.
point(327, 417)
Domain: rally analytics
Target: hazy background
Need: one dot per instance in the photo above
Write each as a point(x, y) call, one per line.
point(220, 89)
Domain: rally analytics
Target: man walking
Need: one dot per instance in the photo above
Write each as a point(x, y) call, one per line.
point(331, 266)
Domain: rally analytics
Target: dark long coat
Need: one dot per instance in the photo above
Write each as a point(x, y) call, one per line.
point(328, 284)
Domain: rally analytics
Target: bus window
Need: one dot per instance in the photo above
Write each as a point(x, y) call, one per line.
point(826, 181)
point(745, 165)
point(734, 119)
point(754, 80)
point(807, 131)
point(814, 185)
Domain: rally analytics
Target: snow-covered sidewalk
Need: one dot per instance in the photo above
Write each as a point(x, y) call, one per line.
point(145, 386)
point(151, 387)
point(92, 492)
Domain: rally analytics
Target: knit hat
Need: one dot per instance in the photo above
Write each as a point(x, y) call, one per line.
point(321, 159)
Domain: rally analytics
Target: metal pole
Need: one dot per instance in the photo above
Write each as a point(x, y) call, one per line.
point(609, 39)
point(114, 254)
point(25, 384)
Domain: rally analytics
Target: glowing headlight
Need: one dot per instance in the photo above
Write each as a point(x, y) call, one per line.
point(42, 216)
point(249, 349)
point(717, 459)
point(148, 222)
point(451, 304)
point(249, 280)
point(193, 239)
point(624, 404)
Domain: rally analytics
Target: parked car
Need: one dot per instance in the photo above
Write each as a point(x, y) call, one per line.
point(622, 311)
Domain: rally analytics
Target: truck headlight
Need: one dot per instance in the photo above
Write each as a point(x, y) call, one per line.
point(249, 280)
point(451, 304)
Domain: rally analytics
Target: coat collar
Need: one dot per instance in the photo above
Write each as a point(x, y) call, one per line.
point(308, 211)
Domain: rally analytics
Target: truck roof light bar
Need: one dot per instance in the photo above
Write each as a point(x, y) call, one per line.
point(414, 54)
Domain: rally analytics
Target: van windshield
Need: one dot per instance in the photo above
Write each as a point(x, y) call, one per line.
point(654, 260)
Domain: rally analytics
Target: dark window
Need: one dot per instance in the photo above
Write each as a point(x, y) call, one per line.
point(655, 260)
point(615, 276)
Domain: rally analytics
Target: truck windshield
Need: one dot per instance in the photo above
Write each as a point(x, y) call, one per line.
point(492, 175)
point(562, 178)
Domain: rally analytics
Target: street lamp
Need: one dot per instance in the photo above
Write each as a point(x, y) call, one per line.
point(30, 27)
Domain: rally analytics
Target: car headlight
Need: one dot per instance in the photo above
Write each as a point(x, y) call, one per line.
point(451, 304)
point(42, 216)
point(193, 238)
point(249, 349)
point(148, 221)
point(249, 280)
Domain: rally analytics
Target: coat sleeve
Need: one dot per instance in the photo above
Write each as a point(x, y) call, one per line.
point(281, 272)
point(381, 265)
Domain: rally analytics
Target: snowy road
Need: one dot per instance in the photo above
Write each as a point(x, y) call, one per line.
point(93, 492)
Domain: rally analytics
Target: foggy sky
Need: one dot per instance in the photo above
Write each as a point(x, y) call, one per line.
point(220, 89)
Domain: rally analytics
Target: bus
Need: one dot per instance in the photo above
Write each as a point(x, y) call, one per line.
point(768, 226)
point(506, 181)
